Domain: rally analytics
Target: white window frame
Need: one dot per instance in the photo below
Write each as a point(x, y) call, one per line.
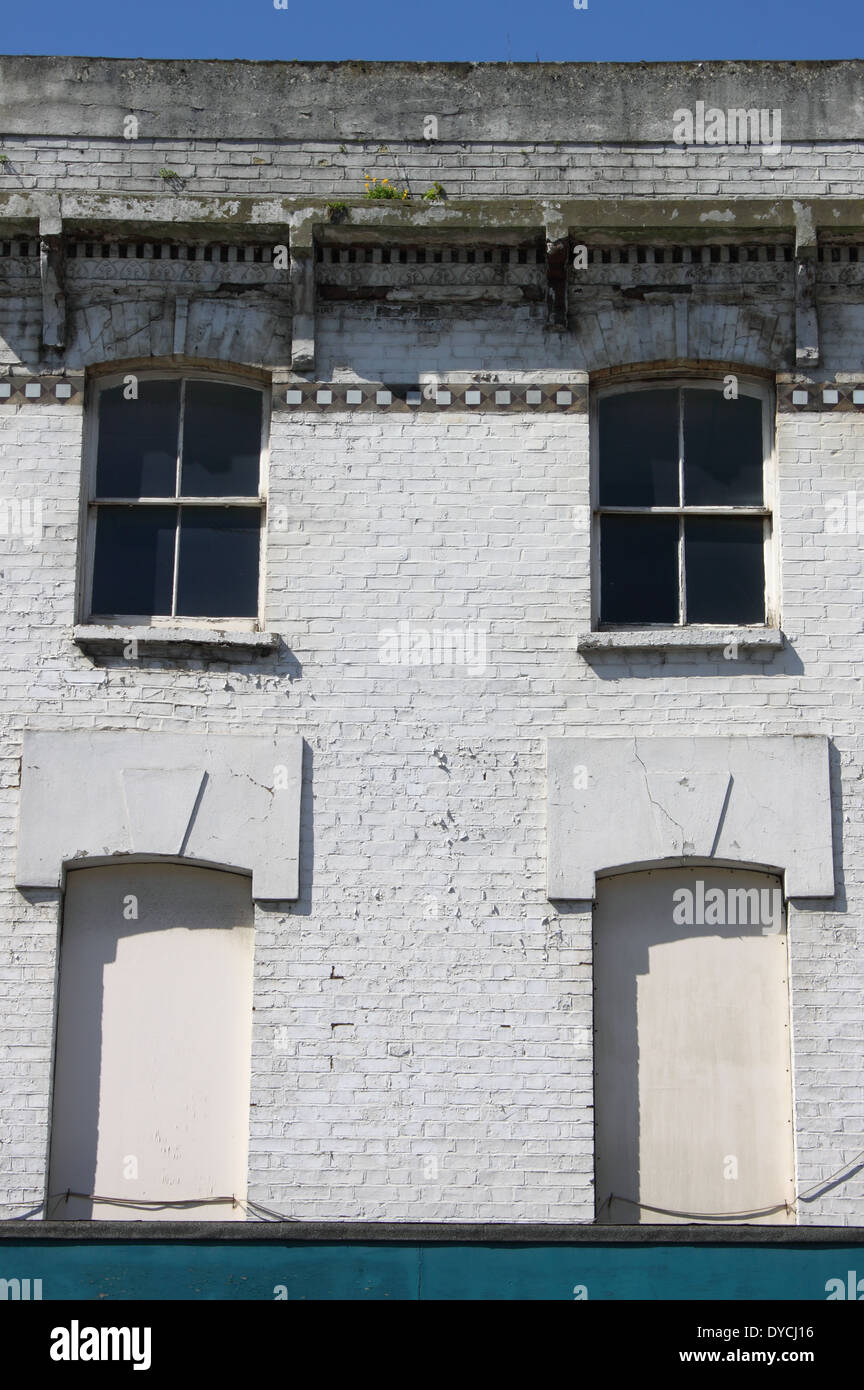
point(763, 392)
point(91, 501)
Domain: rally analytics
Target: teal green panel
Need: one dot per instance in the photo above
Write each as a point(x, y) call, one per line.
point(212, 1270)
point(634, 1271)
point(250, 1270)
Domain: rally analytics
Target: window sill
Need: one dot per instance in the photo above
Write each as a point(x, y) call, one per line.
point(681, 638)
point(211, 644)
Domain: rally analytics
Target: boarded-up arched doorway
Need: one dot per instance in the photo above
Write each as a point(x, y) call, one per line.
point(692, 1090)
point(152, 1069)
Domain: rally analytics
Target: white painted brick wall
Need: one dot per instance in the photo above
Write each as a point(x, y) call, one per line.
point(425, 1002)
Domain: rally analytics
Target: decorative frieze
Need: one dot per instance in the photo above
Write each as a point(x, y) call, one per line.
point(328, 397)
point(335, 397)
point(215, 252)
point(724, 253)
point(821, 396)
point(45, 390)
point(363, 254)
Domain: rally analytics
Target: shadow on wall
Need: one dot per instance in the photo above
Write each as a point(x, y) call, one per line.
point(281, 662)
point(647, 665)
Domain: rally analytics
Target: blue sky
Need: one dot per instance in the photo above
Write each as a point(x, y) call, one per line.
point(476, 30)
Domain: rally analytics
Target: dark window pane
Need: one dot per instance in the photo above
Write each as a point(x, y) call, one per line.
point(221, 441)
point(639, 449)
point(134, 561)
point(725, 570)
point(639, 569)
point(722, 450)
point(138, 441)
point(219, 562)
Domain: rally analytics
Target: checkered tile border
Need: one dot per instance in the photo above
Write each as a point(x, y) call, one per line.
point(820, 396)
point(321, 398)
point(44, 390)
point(329, 397)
